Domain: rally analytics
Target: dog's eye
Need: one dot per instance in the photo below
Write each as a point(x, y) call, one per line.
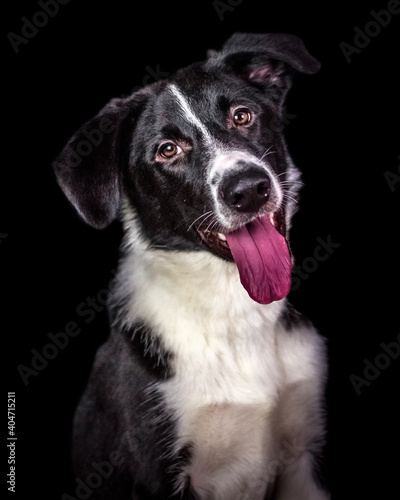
point(241, 117)
point(169, 150)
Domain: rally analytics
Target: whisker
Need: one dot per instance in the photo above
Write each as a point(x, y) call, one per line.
point(211, 214)
point(206, 215)
point(213, 223)
point(289, 191)
point(291, 183)
point(267, 152)
point(287, 196)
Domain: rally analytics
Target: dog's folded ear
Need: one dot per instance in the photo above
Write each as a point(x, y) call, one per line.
point(89, 167)
point(267, 60)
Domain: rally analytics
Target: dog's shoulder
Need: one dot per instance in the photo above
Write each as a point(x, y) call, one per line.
point(122, 418)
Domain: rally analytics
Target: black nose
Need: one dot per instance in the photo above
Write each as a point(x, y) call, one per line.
point(246, 191)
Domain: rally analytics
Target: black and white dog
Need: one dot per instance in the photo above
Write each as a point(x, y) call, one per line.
point(210, 385)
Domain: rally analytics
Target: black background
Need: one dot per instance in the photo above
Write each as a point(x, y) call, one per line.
point(344, 136)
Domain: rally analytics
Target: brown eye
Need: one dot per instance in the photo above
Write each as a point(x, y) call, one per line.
point(242, 117)
point(169, 150)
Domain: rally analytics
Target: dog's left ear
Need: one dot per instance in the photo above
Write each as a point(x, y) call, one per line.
point(267, 60)
point(89, 168)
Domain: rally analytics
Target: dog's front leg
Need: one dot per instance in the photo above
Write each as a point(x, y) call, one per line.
point(301, 419)
point(297, 482)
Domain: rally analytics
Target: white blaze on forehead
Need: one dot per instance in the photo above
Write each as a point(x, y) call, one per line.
point(188, 113)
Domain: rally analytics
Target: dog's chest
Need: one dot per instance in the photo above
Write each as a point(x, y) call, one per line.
point(226, 373)
point(223, 396)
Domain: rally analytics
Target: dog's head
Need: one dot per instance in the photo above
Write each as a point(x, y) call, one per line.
point(198, 162)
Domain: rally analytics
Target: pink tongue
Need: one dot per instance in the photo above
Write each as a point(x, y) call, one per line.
point(263, 260)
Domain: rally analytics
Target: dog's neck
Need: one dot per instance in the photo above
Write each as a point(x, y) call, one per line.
point(195, 285)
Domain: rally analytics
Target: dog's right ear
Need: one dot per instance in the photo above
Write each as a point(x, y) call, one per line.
point(267, 61)
point(89, 167)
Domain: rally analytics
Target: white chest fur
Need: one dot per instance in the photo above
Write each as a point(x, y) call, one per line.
point(227, 374)
point(224, 395)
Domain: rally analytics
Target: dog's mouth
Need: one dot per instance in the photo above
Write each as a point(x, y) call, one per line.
point(261, 253)
point(216, 242)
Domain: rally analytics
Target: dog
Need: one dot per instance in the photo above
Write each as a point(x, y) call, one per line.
point(211, 385)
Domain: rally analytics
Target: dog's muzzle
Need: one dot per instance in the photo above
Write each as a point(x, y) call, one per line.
point(248, 202)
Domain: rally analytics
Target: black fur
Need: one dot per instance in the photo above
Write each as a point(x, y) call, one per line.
point(120, 410)
point(148, 349)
